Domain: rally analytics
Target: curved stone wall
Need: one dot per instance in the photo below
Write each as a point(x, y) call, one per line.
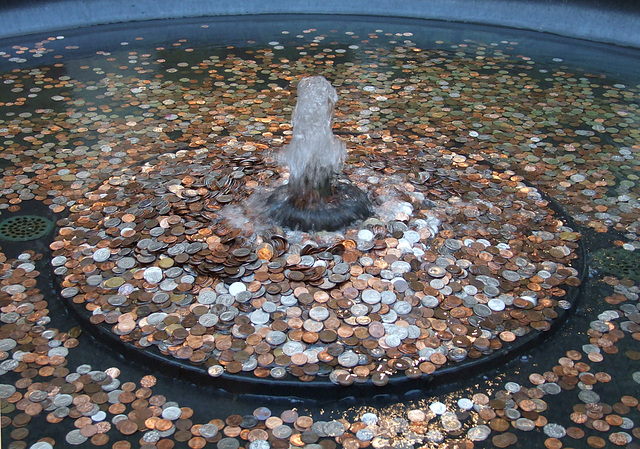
point(613, 21)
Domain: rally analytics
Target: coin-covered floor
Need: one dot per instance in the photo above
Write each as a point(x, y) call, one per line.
point(489, 301)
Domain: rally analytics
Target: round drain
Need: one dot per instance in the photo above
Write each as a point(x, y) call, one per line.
point(24, 227)
point(617, 262)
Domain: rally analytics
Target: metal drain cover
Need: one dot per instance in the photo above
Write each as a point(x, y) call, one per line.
point(617, 262)
point(23, 228)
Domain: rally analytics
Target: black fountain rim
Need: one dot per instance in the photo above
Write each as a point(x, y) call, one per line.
point(322, 386)
point(348, 204)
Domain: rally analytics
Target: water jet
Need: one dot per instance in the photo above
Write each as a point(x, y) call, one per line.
point(316, 198)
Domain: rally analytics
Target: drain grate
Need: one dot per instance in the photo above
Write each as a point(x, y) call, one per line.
point(23, 228)
point(617, 262)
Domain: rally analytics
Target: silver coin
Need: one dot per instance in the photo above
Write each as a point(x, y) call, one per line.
point(402, 307)
point(495, 304)
point(318, 427)
point(282, 431)
point(511, 276)
point(554, 430)
point(588, 396)
point(365, 434)
point(153, 275)
point(276, 338)
point(451, 424)
point(458, 354)
point(262, 413)
point(479, 433)
point(319, 313)
point(392, 341)
point(245, 296)
point(482, 310)
point(7, 344)
point(512, 387)
point(358, 310)
point(341, 268)
point(228, 443)
point(550, 388)
point(627, 424)
point(41, 445)
point(58, 261)
point(236, 288)
point(259, 444)
point(208, 430)
point(126, 263)
point(334, 429)
point(400, 285)
point(171, 413)
point(117, 300)
point(38, 396)
point(114, 396)
point(99, 416)
point(388, 297)
point(288, 300)
point(430, 301)
point(438, 408)
point(589, 348)
point(416, 415)
point(61, 412)
point(292, 347)
point(371, 296)
point(465, 403)
point(412, 236)
point(524, 424)
point(250, 364)
point(83, 369)
point(152, 436)
point(400, 267)
point(259, 317)
point(348, 359)
point(75, 438)
point(278, 372)
point(599, 326)
point(312, 325)
point(208, 320)
point(9, 365)
point(68, 292)
point(369, 419)
point(512, 413)
point(6, 391)
point(101, 255)
point(215, 371)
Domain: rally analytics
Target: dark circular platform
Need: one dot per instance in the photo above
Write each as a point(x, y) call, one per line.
point(346, 204)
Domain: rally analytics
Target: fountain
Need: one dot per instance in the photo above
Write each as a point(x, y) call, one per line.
point(315, 198)
point(392, 331)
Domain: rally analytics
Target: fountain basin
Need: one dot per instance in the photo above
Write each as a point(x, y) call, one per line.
point(568, 128)
point(614, 22)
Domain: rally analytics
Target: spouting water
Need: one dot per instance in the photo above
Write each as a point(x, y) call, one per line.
point(316, 198)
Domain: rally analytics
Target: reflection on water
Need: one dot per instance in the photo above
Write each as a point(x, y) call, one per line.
point(87, 122)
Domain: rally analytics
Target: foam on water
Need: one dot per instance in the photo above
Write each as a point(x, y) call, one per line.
point(315, 154)
point(316, 197)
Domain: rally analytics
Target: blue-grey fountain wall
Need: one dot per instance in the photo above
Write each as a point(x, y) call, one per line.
point(610, 21)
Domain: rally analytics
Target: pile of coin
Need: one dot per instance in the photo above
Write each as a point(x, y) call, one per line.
point(107, 407)
point(458, 260)
point(66, 128)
